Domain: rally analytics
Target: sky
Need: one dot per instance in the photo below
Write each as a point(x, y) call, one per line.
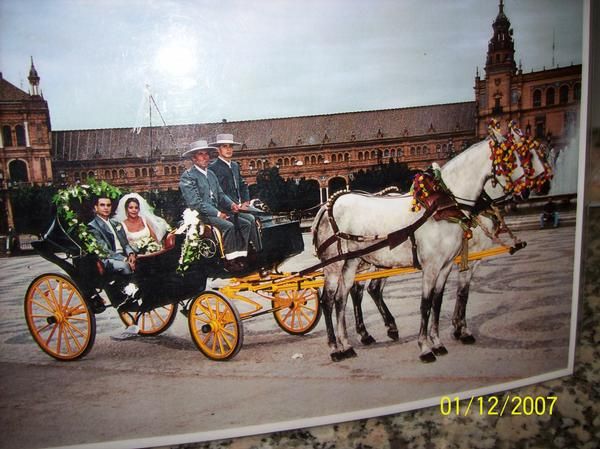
point(204, 61)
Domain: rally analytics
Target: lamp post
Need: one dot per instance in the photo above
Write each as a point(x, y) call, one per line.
point(6, 204)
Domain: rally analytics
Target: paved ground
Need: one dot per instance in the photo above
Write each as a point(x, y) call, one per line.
point(519, 310)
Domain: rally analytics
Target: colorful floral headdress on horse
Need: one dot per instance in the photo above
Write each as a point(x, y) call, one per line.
point(505, 151)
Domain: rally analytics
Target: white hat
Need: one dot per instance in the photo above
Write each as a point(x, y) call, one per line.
point(225, 138)
point(197, 146)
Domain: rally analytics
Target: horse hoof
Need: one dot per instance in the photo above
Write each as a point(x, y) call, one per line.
point(349, 353)
point(394, 335)
point(337, 356)
point(457, 334)
point(428, 357)
point(440, 350)
point(467, 340)
point(368, 340)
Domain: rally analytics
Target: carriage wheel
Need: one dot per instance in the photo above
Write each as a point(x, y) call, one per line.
point(301, 312)
point(152, 322)
point(59, 318)
point(215, 326)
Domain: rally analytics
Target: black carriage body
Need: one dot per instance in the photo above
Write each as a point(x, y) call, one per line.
point(156, 275)
point(281, 240)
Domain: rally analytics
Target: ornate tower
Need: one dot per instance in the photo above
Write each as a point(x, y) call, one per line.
point(34, 80)
point(25, 141)
point(497, 95)
point(501, 48)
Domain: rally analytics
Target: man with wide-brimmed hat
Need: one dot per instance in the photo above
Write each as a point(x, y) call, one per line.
point(230, 178)
point(202, 192)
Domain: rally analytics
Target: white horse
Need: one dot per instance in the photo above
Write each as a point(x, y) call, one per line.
point(484, 236)
point(438, 242)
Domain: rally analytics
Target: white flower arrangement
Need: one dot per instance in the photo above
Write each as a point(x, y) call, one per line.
point(193, 229)
point(130, 289)
point(147, 245)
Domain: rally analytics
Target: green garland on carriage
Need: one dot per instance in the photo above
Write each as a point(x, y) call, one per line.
point(81, 193)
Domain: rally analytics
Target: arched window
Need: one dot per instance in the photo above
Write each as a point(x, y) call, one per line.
point(537, 98)
point(144, 172)
point(167, 171)
point(346, 157)
point(121, 173)
point(412, 151)
point(286, 161)
point(386, 153)
point(114, 174)
point(320, 159)
point(259, 165)
point(334, 158)
point(550, 96)
point(90, 174)
point(306, 160)
point(360, 156)
point(373, 154)
point(106, 174)
point(252, 165)
point(20, 132)
point(6, 136)
point(137, 172)
point(438, 148)
point(563, 94)
point(418, 150)
point(313, 160)
point(17, 171)
point(577, 92)
point(279, 162)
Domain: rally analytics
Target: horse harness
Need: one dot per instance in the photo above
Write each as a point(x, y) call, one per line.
point(432, 195)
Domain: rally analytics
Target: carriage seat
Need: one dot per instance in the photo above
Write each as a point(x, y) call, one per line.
point(215, 233)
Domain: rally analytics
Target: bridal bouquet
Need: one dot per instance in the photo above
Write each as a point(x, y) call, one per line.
point(147, 245)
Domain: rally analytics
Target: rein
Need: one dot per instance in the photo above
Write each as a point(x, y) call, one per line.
point(392, 240)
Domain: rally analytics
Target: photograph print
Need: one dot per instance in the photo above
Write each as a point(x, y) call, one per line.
point(233, 219)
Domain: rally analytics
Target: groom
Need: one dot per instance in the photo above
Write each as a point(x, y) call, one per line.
point(111, 236)
point(120, 259)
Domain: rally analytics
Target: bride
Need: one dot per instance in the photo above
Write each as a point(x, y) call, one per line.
point(139, 221)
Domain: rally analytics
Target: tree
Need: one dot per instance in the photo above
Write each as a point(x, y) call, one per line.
point(381, 176)
point(32, 208)
point(284, 195)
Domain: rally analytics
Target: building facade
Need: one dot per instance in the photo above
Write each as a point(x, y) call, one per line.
point(325, 149)
point(25, 140)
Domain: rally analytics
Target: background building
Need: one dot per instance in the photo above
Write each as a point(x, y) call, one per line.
point(323, 149)
point(25, 140)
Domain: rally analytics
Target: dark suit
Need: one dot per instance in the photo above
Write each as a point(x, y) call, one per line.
point(115, 262)
point(234, 186)
point(204, 194)
point(230, 180)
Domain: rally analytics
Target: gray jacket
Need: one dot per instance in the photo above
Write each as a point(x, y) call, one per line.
point(105, 238)
point(203, 193)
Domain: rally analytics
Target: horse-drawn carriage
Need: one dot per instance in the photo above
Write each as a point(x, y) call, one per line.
point(60, 308)
point(391, 233)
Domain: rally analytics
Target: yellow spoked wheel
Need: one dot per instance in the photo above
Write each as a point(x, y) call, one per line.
point(152, 322)
point(59, 318)
point(301, 310)
point(215, 326)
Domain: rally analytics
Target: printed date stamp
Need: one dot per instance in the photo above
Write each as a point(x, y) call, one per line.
point(506, 405)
